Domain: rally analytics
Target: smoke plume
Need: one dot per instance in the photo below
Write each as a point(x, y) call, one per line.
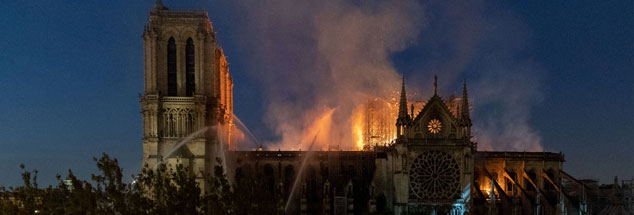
point(486, 45)
point(318, 60)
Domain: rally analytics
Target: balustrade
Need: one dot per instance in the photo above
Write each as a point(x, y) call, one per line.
point(179, 122)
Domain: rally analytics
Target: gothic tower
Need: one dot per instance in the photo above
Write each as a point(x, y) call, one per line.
point(187, 104)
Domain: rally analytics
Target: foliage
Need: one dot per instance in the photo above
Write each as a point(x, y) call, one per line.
point(161, 190)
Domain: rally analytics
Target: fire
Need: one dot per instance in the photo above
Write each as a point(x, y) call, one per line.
point(486, 192)
point(373, 123)
point(318, 122)
point(319, 128)
point(369, 124)
point(357, 126)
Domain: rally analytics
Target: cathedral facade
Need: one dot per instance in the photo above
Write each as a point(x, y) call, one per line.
point(188, 92)
point(432, 167)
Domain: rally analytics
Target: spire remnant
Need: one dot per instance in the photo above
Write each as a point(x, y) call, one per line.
point(403, 118)
point(465, 120)
point(465, 101)
point(402, 108)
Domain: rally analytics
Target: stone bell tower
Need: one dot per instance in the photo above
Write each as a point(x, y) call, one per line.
point(187, 104)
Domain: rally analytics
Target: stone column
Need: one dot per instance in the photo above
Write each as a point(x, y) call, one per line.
point(200, 63)
point(146, 61)
point(350, 197)
point(326, 196)
point(303, 204)
point(153, 62)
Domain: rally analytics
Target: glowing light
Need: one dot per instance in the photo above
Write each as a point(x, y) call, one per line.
point(357, 127)
point(434, 126)
point(372, 123)
point(296, 137)
point(487, 192)
point(319, 128)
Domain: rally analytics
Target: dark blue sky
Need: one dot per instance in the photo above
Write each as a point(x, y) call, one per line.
point(70, 74)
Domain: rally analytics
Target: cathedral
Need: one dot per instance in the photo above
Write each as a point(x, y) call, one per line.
point(431, 167)
point(187, 89)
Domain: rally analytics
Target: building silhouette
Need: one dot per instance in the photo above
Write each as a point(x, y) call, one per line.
point(431, 167)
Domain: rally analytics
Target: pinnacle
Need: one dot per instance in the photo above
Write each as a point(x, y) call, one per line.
point(402, 110)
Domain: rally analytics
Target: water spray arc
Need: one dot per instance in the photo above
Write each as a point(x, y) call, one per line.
point(179, 144)
point(299, 174)
point(220, 134)
point(221, 150)
point(242, 127)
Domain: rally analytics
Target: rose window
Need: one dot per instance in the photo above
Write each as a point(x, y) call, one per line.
point(434, 126)
point(434, 175)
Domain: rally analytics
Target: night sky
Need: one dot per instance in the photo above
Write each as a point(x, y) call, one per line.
point(554, 73)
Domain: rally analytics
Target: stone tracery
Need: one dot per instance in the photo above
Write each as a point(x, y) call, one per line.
point(179, 121)
point(434, 175)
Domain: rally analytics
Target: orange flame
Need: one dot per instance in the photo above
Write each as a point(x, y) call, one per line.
point(316, 123)
point(373, 123)
point(357, 126)
point(321, 128)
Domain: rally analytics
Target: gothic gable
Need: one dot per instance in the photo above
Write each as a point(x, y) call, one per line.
point(434, 121)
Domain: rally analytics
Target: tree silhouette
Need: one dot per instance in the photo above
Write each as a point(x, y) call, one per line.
point(162, 190)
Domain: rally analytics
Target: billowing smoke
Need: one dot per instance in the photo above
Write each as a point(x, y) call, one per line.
point(485, 45)
point(506, 99)
point(318, 60)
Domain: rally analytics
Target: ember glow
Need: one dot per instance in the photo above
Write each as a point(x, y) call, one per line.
point(318, 131)
point(316, 125)
point(373, 123)
point(321, 57)
point(338, 55)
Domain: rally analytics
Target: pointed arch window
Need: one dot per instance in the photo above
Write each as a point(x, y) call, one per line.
point(171, 68)
point(189, 68)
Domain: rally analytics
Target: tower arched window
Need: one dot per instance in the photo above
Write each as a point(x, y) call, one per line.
point(189, 68)
point(171, 68)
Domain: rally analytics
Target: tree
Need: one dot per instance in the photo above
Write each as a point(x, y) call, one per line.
point(219, 197)
point(161, 190)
